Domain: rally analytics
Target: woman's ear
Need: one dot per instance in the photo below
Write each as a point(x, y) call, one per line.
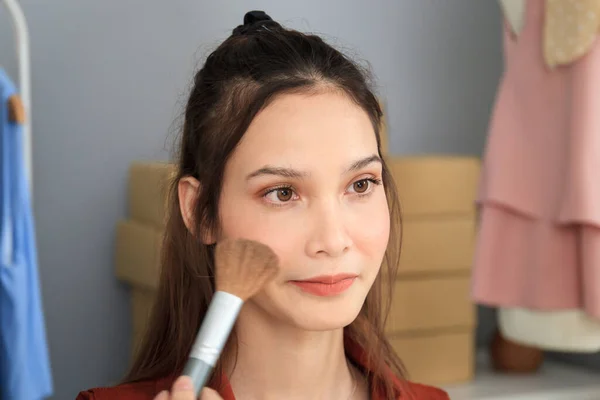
point(188, 190)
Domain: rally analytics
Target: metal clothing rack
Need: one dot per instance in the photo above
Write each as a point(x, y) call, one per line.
point(22, 42)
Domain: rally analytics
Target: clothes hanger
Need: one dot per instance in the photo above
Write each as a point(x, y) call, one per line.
point(16, 110)
point(21, 105)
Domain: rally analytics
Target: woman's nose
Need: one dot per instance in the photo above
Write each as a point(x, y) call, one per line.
point(329, 234)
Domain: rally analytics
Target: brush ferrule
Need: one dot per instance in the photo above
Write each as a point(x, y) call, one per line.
point(216, 327)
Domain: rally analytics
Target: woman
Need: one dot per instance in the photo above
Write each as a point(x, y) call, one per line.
point(280, 145)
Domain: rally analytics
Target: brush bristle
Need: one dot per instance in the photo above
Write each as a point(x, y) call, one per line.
point(244, 267)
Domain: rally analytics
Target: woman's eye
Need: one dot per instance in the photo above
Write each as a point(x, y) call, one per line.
point(280, 195)
point(364, 186)
point(361, 186)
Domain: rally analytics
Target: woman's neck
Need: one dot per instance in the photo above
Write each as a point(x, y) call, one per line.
point(276, 361)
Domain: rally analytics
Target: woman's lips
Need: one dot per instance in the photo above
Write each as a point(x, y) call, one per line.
point(326, 285)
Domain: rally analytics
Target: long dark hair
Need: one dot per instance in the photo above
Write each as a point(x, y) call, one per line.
point(258, 62)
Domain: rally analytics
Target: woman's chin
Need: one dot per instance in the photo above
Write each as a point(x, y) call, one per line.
point(326, 320)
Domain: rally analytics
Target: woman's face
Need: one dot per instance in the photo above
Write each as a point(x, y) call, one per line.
point(306, 180)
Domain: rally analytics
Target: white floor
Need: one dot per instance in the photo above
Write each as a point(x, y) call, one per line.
point(553, 382)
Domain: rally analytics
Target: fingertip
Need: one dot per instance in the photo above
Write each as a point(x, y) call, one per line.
point(164, 395)
point(183, 383)
point(209, 394)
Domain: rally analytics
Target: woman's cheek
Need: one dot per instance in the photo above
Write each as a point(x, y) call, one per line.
point(277, 228)
point(372, 226)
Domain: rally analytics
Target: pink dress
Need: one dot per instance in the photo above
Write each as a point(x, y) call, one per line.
point(538, 245)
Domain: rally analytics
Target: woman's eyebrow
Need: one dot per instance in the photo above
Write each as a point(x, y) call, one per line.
point(278, 171)
point(291, 173)
point(363, 162)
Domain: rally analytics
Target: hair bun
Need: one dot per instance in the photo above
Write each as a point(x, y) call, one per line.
point(253, 21)
point(253, 17)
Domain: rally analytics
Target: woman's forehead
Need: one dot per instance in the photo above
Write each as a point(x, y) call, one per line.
point(308, 129)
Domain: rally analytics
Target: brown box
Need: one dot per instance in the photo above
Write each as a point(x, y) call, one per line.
point(142, 301)
point(431, 185)
point(148, 191)
point(437, 244)
point(138, 250)
point(433, 320)
point(431, 303)
point(438, 358)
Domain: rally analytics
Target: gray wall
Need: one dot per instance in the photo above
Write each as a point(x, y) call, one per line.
point(109, 78)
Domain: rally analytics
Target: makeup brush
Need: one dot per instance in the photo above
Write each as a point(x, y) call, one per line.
point(242, 268)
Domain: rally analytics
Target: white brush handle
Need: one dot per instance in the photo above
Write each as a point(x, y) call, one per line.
point(212, 336)
point(216, 327)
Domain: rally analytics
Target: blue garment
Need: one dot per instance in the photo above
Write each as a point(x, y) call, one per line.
point(24, 362)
